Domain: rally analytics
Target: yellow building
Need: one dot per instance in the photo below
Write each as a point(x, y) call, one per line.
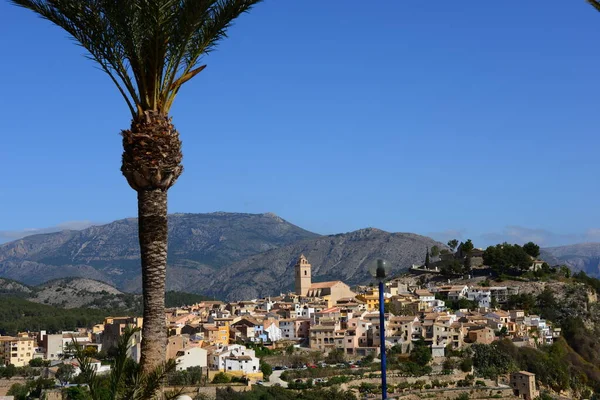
point(371, 299)
point(223, 335)
point(16, 350)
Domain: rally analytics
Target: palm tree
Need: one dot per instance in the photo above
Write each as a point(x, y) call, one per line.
point(149, 49)
point(595, 3)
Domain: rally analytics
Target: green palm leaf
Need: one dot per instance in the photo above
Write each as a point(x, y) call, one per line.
point(149, 48)
point(595, 3)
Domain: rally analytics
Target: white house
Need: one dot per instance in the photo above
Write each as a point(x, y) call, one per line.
point(273, 332)
point(95, 364)
point(246, 364)
point(191, 357)
point(234, 358)
point(482, 296)
point(304, 311)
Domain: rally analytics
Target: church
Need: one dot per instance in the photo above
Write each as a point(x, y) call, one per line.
point(329, 291)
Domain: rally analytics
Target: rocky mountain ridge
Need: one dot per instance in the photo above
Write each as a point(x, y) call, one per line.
point(343, 257)
point(199, 245)
point(579, 257)
point(224, 255)
point(229, 255)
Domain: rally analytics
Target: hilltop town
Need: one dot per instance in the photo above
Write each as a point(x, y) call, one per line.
point(326, 333)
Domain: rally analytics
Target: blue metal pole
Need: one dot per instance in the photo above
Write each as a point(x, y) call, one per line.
point(382, 340)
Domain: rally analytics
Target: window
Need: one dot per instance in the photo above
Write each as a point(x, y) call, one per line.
point(305, 272)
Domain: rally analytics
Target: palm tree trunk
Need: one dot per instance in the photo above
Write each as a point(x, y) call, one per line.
point(151, 164)
point(152, 220)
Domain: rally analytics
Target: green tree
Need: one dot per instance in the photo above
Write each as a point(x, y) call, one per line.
point(565, 271)
point(65, 373)
point(453, 244)
point(532, 249)
point(503, 332)
point(489, 361)
point(8, 371)
point(19, 391)
point(450, 268)
point(420, 353)
point(266, 369)
point(427, 259)
point(467, 247)
point(494, 303)
point(37, 362)
point(435, 251)
point(466, 364)
point(149, 49)
point(77, 393)
point(336, 356)
point(506, 258)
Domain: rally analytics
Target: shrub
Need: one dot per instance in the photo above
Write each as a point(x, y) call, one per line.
point(221, 377)
point(466, 365)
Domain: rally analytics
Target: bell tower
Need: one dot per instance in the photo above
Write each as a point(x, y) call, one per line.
point(302, 271)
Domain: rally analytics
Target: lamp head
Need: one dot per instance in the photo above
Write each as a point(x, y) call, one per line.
point(379, 269)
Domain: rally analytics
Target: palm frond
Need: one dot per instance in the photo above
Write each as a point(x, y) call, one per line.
point(123, 364)
point(86, 22)
point(595, 3)
point(209, 27)
point(149, 48)
point(87, 371)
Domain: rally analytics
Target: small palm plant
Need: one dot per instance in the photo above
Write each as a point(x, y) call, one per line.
point(149, 49)
point(127, 380)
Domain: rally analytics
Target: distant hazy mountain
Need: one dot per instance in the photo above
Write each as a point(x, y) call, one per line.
point(580, 257)
point(337, 257)
point(199, 245)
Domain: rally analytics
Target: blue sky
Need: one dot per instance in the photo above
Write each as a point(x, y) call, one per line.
point(469, 119)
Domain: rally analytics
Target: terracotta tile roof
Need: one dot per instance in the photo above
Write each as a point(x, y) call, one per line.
point(323, 285)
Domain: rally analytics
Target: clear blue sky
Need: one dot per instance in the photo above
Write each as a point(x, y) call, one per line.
point(472, 119)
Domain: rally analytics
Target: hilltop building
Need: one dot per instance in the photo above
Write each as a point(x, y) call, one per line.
point(523, 385)
point(330, 292)
point(303, 276)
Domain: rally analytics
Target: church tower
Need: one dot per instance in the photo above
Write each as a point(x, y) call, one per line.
point(302, 271)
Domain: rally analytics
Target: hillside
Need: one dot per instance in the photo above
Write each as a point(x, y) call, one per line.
point(579, 257)
point(36, 317)
point(82, 292)
point(69, 293)
point(199, 245)
point(337, 257)
point(9, 287)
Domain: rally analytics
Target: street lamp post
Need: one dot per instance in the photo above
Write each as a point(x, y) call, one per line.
point(379, 272)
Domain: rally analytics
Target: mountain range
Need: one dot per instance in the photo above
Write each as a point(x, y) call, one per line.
point(579, 257)
point(229, 255)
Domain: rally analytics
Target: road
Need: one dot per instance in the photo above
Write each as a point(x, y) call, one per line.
point(276, 378)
